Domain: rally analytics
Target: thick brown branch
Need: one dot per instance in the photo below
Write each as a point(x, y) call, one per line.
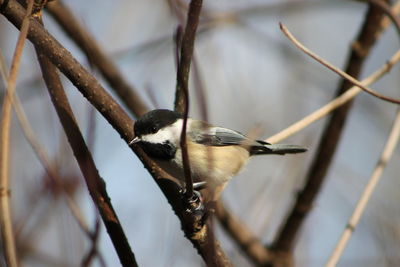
point(107, 106)
point(94, 182)
point(331, 135)
point(97, 57)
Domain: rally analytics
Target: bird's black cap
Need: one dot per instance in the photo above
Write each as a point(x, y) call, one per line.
point(154, 120)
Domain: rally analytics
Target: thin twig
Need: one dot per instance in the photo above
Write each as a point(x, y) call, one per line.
point(334, 104)
point(182, 85)
point(97, 57)
point(6, 225)
point(335, 69)
point(369, 189)
point(248, 242)
point(346, 96)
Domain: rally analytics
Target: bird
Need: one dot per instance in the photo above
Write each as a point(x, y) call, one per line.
point(216, 154)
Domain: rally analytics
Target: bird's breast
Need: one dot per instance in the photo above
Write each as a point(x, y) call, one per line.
point(215, 164)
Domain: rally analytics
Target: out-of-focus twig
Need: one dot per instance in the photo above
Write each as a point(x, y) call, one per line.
point(287, 234)
point(334, 69)
point(369, 189)
point(44, 160)
point(334, 104)
point(93, 249)
point(68, 21)
point(248, 242)
point(6, 225)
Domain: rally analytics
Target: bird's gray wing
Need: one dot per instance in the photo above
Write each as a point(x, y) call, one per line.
point(219, 136)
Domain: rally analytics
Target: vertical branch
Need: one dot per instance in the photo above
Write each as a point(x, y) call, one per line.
point(186, 53)
point(331, 135)
point(94, 182)
point(182, 86)
point(369, 189)
point(6, 229)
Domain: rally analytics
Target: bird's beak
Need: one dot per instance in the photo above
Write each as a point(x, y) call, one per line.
point(134, 140)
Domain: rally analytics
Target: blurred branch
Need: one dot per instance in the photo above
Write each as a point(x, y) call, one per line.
point(250, 245)
point(94, 182)
point(389, 11)
point(366, 195)
point(360, 49)
point(7, 233)
point(334, 104)
point(44, 160)
point(97, 57)
point(115, 115)
point(93, 249)
point(334, 69)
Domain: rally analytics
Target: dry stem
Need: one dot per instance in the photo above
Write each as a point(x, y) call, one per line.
point(5, 209)
point(369, 189)
point(334, 104)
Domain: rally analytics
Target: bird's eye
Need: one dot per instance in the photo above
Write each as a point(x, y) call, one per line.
point(154, 129)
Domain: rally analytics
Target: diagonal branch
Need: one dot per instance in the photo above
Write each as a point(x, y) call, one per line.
point(43, 157)
point(97, 57)
point(344, 75)
point(334, 104)
point(94, 182)
point(326, 149)
point(113, 113)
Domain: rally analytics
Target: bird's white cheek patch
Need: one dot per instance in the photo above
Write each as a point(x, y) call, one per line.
point(171, 133)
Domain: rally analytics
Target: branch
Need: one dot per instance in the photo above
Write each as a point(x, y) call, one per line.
point(286, 236)
point(7, 233)
point(112, 112)
point(182, 86)
point(97, 57)
point(333, 68)
point(334, 104)
point(43, 157)
point(211, 250)
point(94, 182)
point(366, 195)
point(248, 242)
point(186, 53)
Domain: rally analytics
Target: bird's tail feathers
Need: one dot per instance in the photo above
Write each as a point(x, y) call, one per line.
point(279, 149)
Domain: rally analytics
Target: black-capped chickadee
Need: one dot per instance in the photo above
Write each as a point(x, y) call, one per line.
point(215, 153)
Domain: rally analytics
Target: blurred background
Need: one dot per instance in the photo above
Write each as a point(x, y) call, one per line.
point(252, 78)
